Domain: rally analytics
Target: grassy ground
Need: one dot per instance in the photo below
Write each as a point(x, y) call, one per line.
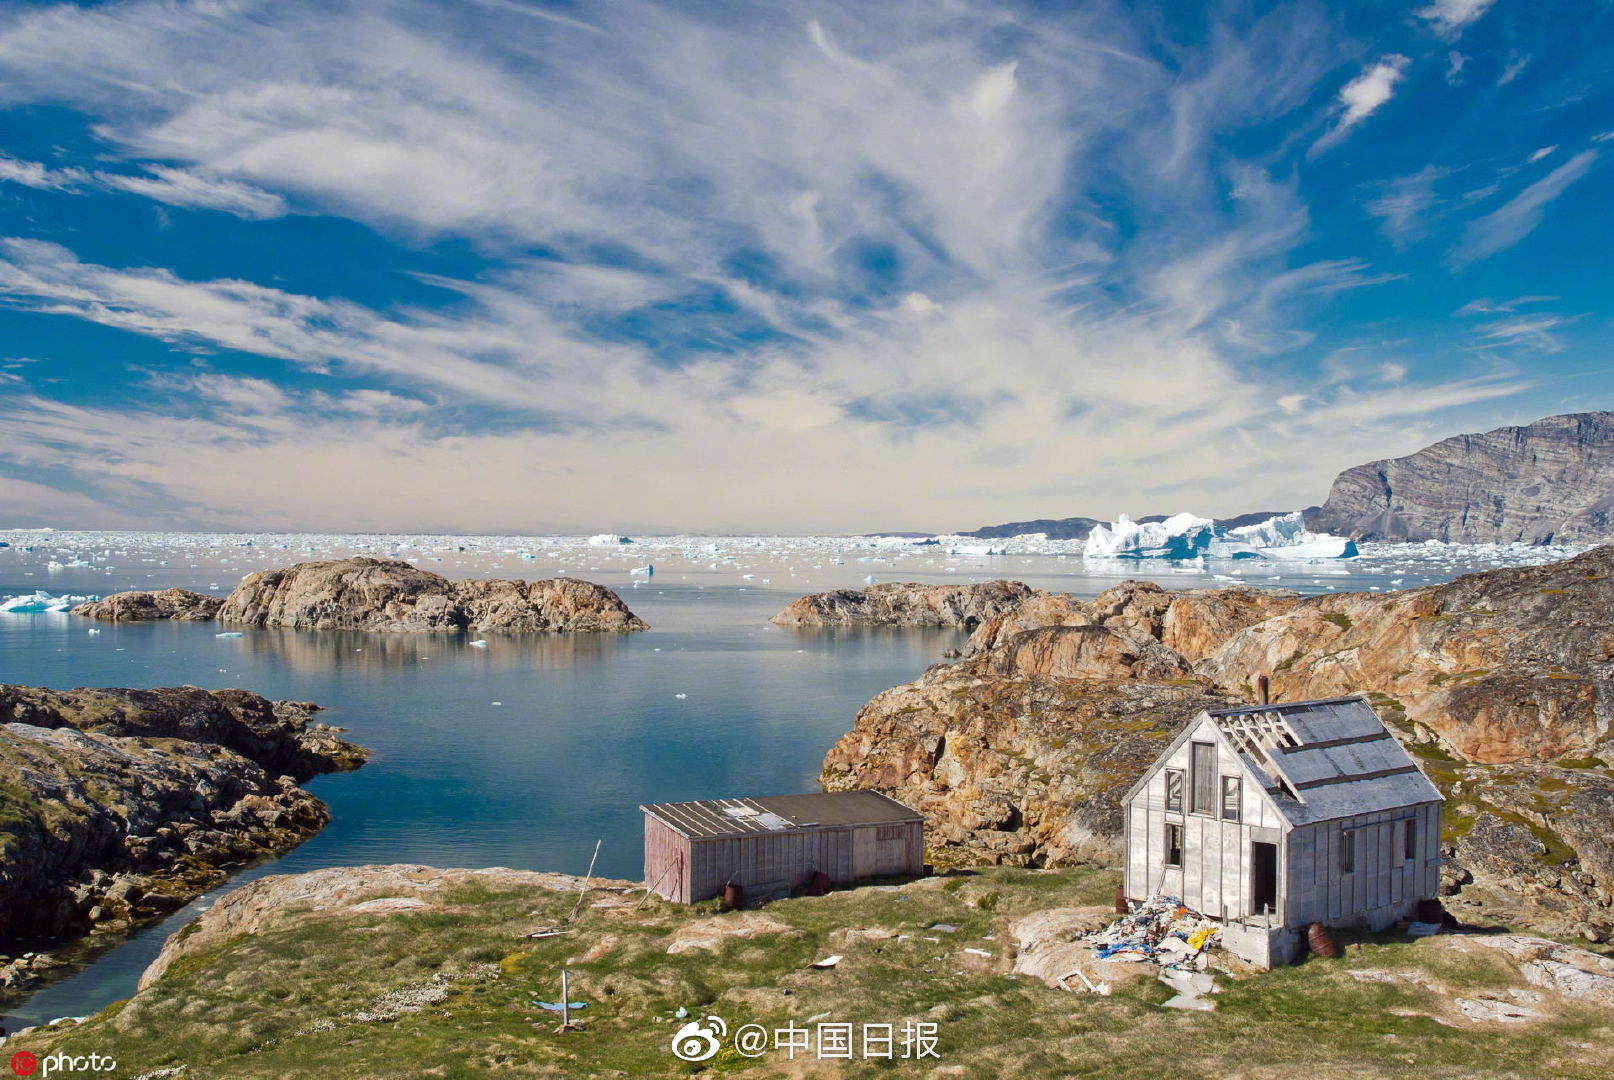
point(288, 1001)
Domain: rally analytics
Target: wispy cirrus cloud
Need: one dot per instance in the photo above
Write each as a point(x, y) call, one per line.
point(731, 255)
point(1449, 18)
point(1513, 221)
point(160, 183)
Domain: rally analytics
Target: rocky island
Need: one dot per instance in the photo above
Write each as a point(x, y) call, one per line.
point(906, 604)
point(386, 595)
point(1501, 682)
point(122, 805)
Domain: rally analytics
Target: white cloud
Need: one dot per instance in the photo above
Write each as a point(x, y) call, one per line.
point(716, 150)
point(1506, 226)
point(1363, 96)
point(1537, 155)
point(1407, 204)
point(1450, 17)
point(35, 174)
point(182, 187)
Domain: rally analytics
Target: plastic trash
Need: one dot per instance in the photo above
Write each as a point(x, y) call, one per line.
point(555, 1006)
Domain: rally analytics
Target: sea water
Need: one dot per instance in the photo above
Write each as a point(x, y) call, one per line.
point(525, 751)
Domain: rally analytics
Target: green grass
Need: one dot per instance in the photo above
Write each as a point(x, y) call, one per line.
point(273, 1004)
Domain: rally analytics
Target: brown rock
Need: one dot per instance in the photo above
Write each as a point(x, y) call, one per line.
point(377, 594)
point(910, 604)
point(178, 604)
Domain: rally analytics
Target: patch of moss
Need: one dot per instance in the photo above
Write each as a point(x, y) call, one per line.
point(1339, 619)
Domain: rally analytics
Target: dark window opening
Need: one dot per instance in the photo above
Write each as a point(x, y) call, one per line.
point(1173, 845)
point(1409, 841)
point(1204, 764)
point(1347, 852)
point(1174, 790)
point(1232, 792)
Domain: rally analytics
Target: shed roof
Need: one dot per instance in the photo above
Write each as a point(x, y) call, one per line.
point(1325, 759)
point(780, 813)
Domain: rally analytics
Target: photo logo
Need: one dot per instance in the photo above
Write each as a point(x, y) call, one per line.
point(697, 1041)
point(23, 1063)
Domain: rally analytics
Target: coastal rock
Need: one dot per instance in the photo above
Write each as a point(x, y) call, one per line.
point(1041, 609)
point(178, 604)
point(907, 604)
point(1010, 765)
point(389, 595)
point(120, 805)
point(1507, 665)
point(1547, 482)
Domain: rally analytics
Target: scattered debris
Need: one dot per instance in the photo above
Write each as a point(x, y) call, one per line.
point(1190, 986)
point(1159, 930)
point(945, 928)
point(556, 1006)
point(978, 952)
point(1423, 929)
point(828, 961)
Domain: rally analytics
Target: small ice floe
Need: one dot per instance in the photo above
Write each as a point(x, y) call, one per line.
point(229, 634)
point(646, 570)
point(495, 703)
point(93, 630)
point(35, 603)
point(680, 697)
point(477, 644)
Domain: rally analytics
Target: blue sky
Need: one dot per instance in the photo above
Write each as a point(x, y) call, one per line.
point(502, 265)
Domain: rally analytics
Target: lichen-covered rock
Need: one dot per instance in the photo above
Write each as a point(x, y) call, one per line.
point(1010, 765)
point(178, 604)
point(122, 805)
point(907, 604)
point(1038, 610)
point(1547, 482)
point(389, 595)
point(1507, 665)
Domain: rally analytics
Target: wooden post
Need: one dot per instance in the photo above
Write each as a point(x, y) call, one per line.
point(565, 1001)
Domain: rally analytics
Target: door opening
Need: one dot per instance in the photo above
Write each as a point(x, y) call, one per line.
point(1263, 877)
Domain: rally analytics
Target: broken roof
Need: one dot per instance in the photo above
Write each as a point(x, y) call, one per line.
point(776, 813)
point(1320, 760)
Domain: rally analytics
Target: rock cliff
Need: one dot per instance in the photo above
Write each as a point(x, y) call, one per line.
point(119, 805)
point(180, 604)
point(377, 594)
point(1547, 482)
point(1500, 683)
point(907, 604)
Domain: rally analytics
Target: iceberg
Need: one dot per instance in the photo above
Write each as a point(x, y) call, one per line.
point(1286, 538)
point(608, 539)
point(647, 570)
point(34, 603)
point(1181, 536)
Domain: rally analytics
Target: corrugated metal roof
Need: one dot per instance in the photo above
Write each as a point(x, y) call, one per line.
point(1326, 759)
point(775, 813)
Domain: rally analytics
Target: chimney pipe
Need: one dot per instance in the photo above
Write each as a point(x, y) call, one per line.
point(1263, 687)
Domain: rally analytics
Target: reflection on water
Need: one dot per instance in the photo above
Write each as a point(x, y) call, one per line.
point(360, 653)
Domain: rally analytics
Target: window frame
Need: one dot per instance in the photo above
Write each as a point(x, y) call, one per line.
point(1347, 851)
point(1409, 840)
point(1181, 776)
point(1237, 791)
point(1202, 770)
point(1174, 832)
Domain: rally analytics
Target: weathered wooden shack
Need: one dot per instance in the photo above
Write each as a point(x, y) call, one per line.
point(769, 846)
point(1277, 816)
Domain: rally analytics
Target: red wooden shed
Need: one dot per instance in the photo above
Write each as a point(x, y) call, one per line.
point(769, 846)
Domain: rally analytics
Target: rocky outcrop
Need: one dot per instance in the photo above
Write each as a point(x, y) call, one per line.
point(121, 805)
point(378, 594)
point(907, 604)
point(1500, 683)
point(1508, 665)
point(1013, 763)
point(180, 604)
point(1547, 482)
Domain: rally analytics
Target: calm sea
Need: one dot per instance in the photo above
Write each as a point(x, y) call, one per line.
point(525, 752)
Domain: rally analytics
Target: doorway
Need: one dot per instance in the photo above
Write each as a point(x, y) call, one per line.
point(1263, 877)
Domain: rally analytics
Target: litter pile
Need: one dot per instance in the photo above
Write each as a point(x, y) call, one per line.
point(1159, 930)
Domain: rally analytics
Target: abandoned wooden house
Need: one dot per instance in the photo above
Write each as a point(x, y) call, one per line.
point(770, 846)
point(1274, 817)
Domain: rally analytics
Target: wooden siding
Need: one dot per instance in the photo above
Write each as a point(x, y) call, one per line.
point(697, 869)
point(1383, 886)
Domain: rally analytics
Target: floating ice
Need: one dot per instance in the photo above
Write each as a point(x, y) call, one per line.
point(646, 570)
point(607, 539)
point(1181, 536)
point(1286, 537)
point(229, 634)
point(478, 644)
point(35, 603)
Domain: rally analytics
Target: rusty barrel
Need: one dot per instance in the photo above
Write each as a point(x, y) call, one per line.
point(733, 897)
point(1431, 911)
point(1321, 941)
point(818, 884)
